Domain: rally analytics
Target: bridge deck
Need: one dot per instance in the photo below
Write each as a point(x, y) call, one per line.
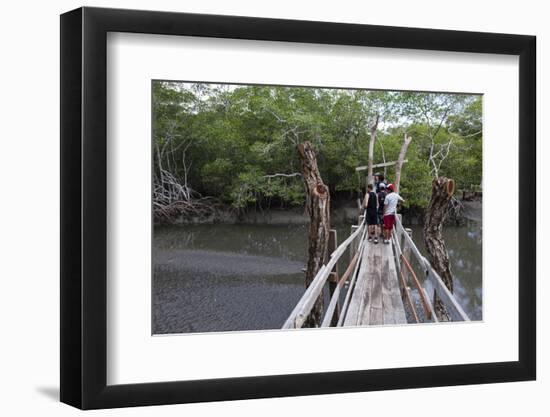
point(376, 299)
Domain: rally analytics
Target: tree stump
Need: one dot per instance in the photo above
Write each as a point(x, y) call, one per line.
point(318, 208)
point(442, 192)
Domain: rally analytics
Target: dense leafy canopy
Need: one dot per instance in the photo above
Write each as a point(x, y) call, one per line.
point(238, 143)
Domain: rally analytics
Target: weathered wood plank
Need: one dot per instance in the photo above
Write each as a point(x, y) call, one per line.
point(387, 301)
point(375, 272)
point(392, 284)
point(353, 280)
point(365, 296)
point(359, 290)
point(329, 319)
point(362, 300)
point(376, 299)
point(387, 309)
point(376, 316)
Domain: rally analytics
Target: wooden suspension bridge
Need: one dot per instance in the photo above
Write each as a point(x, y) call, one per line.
point(383, 284)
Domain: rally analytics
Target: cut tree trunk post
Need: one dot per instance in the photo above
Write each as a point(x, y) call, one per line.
point(374, 127)
point(318, 208)
point(399, 164)
point(442, 191)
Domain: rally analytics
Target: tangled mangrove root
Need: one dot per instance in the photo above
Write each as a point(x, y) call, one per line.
point(172, 200)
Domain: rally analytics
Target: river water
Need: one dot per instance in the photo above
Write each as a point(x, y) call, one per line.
point(249, 277)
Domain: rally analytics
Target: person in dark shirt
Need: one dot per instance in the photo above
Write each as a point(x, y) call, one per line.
point(371, 206)
point(379, 181)
point(381, 196)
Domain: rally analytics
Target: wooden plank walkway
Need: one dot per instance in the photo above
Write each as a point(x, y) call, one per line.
point(374, 295)
point(376, 299)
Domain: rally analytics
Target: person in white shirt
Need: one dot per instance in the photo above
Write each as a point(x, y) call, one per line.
point(390, 209)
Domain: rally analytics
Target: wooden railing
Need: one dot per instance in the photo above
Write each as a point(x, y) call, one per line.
point(314, 290)
point(404, 247)
point(433, 284)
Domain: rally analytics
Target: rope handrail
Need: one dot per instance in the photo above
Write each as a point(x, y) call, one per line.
point(453, 307)
point(425, 302)
point(405, 291)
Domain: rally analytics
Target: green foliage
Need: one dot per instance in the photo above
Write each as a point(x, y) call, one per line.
point(215, 174)
point(238, 143)
point(252, 187)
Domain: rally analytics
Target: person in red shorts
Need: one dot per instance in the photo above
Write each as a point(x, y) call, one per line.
point(390, 209)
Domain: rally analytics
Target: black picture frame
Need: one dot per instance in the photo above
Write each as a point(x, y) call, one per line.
point(84, 207)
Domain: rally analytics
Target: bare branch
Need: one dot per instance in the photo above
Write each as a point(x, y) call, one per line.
point(295, 174)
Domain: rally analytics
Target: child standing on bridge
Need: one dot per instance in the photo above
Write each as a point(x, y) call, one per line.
point(371, 204)
point(390, 209)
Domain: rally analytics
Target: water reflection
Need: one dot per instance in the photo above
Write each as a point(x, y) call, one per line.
point(464, 245)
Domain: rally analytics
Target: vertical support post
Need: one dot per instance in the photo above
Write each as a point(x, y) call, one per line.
point(406, 253)
point(332, 245)
point(398, 236)
point(333, 277)
point(354, 245)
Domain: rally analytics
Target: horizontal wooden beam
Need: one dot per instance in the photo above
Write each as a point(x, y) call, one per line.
point(385, 164)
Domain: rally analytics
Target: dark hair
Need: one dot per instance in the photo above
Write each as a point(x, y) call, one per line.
point(381, 177)
point(369, 187)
